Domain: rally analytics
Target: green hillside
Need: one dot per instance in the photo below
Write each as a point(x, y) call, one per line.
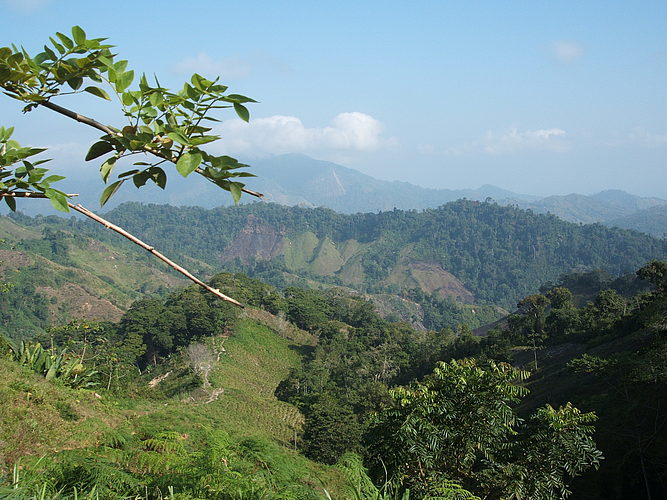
point(151, 432)
point(55, 275)
point(472, 251)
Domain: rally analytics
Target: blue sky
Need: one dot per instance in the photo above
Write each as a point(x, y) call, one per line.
point(539, 97)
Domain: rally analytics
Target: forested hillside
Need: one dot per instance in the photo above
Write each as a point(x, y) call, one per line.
point(468, 251)
point(465, 262)
point(177, 399)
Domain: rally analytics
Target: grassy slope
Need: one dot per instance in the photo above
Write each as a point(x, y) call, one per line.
point(255, 360)
point(11, 231)
point(95, 281)
point(126, 272)
point(36, 415)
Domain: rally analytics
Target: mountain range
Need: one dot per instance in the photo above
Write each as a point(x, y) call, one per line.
point(299, 180)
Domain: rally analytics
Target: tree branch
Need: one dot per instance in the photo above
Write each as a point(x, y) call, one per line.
point(29, 194)
point(82, 210)
point(80, 118)
point(109, 131)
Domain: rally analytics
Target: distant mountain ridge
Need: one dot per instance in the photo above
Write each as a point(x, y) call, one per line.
point(298, 180)
point(604, 207)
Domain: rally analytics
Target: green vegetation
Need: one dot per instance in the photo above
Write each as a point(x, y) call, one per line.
point(499, 254)
point(310, 393)
point(459, 424)
point(185, 408)
point(55, 276)
point(464, 263)
point(158, 435)
point(163, 126)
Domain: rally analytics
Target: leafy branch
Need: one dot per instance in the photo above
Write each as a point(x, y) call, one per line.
point(164, 126)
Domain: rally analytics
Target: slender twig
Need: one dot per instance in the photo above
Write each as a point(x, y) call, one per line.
point(83, 210)
point(80, 118)
point(29, 194)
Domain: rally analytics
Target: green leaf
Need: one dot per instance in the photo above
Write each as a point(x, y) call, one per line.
point(120, 66)
point(124, 81)
point(235, 189)
point(65, 39)
point(156, 98)
point(79, 35)
point(205, 139)
point(48, 53)
point(6, 133)
point(127, 99)
point(57, 199)
point(187, 163)
point(178, 137)
point(107, 168)
point(52, 178)
point(239, 98)
point(96, 91)
point(75, 82)
point(128, 173)
point(98, 149)
point(11, 203)
point(110, 191)
point(242, 111)
point(159, 177)
point(141, 178)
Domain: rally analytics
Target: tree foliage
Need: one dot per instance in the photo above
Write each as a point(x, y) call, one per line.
point(162, 127)
point(460, 424)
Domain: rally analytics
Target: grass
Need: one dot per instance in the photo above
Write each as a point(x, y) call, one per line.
point(38, 416)
point(255, 361)
point(126, 272)
point(41, 418)
point(11, 231)
point(299, 250)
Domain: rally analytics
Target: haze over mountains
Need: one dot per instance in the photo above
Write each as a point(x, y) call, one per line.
point(295, 179)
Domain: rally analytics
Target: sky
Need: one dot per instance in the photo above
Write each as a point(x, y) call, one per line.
point(538, 97)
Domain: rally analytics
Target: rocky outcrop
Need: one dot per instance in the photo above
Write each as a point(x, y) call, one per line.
point(256, 241)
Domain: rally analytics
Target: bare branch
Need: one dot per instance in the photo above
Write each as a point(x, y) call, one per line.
point(80, 118)
point(29, 194)
point(83, 210)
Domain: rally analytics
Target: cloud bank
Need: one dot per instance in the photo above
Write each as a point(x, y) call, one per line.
point(514, 140)
point(205, 65)
point(352, 131)
point(26, 6)
point(566, 51)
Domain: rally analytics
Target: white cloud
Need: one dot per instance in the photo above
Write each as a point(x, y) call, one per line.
point(278, 134)
point(514, 140)
point(644, 137)
point(566, 51)
point(26, 6)
point(203, 64)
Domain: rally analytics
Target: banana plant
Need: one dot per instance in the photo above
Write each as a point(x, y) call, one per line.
point(67, 369)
